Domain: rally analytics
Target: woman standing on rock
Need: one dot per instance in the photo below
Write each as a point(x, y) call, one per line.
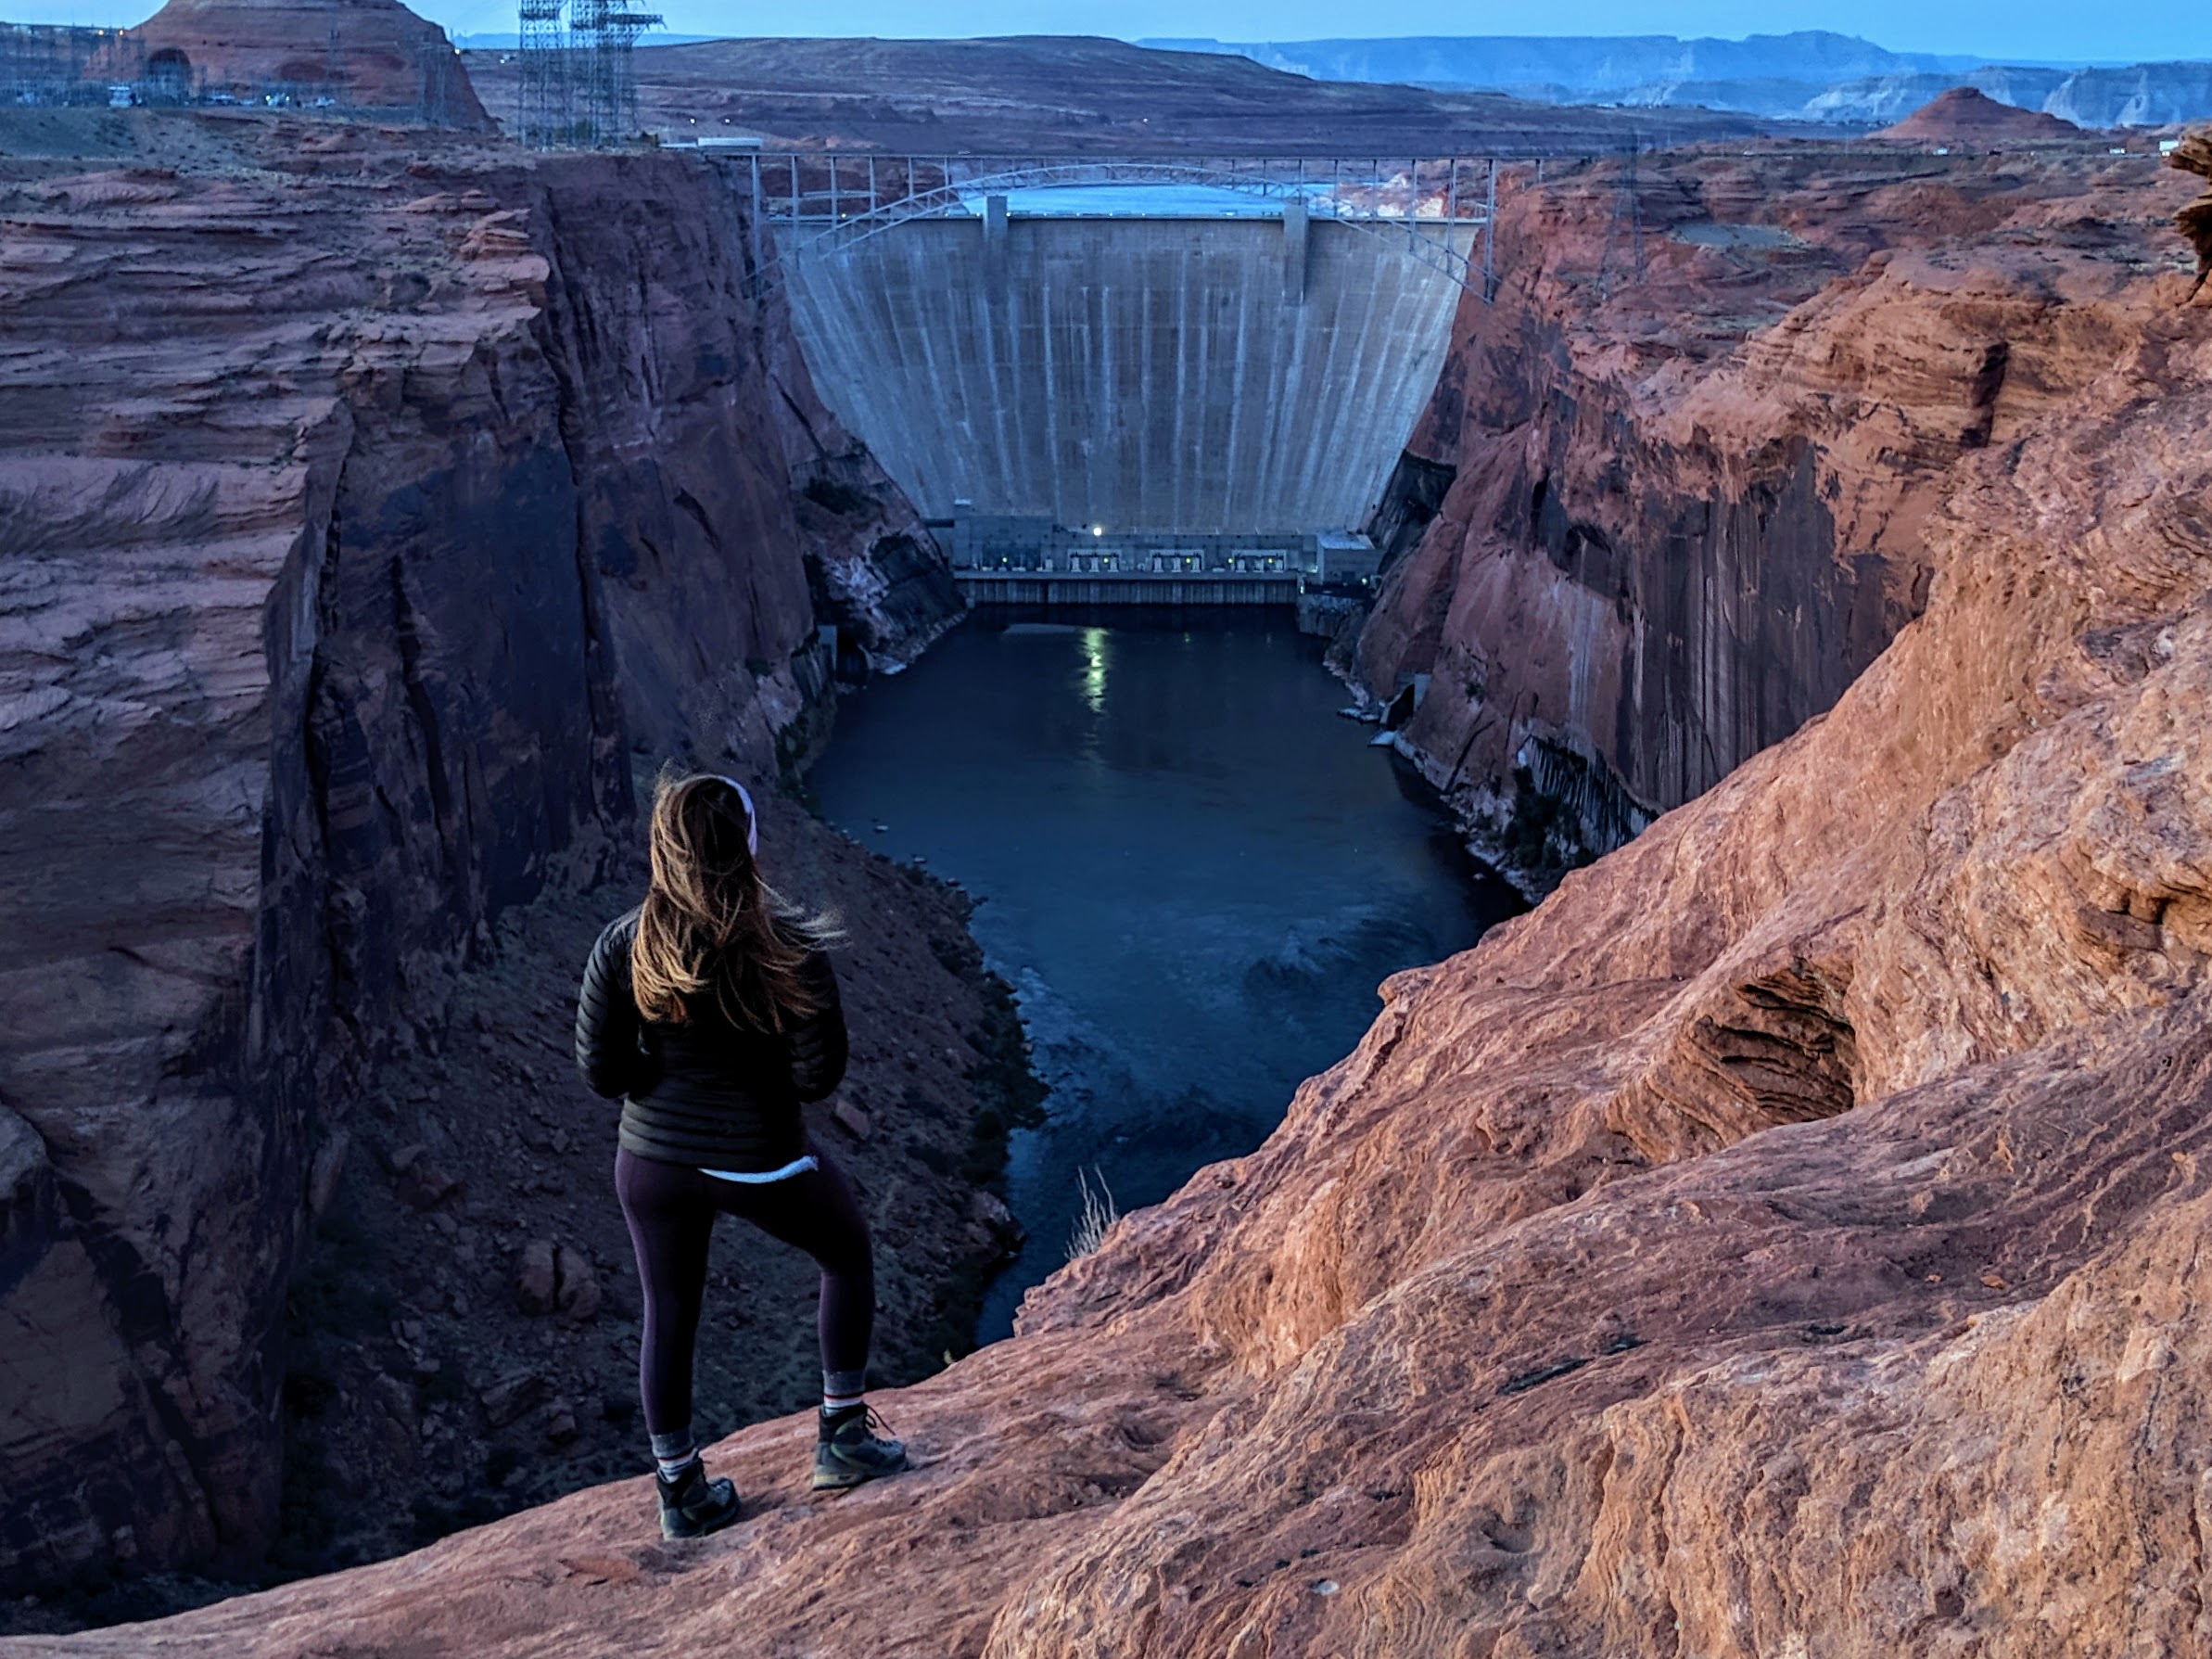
point(711, 1009)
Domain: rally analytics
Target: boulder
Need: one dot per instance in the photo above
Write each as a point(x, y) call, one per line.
point(577, 1294)
point(537, 1278)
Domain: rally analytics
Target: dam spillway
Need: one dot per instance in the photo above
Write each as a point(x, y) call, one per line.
point(1130, 375)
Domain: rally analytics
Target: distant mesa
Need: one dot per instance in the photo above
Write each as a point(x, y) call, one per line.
point(362, 54)
point(1964, 115)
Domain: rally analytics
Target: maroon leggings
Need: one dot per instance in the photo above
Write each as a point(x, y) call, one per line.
point(671, 1207)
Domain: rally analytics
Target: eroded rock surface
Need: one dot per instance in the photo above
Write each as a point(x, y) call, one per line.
point(1966, 115)
point(1787, 1239)
point(358, 54)
point(1670, 495)
point(370, 508)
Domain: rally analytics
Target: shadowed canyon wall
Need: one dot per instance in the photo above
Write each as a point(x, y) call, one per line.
point(1787, 1239)
point(1686, 459)
point(365, 511)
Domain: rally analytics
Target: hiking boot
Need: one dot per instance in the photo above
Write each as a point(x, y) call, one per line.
point(850, 1450)
point(691, 1506)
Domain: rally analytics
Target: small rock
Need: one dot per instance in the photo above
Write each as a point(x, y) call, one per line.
point(446, 1224)
point(989, 1210)
point(323, 1172)
point(396, 1397)
point(512, 1395)
point(405, 1159)
point(560, 1423)
point(576, 1285)
point(537, 1285)
point(422, 1183)
point(851, 1119)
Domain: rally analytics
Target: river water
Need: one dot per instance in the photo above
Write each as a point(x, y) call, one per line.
point(1192, 871)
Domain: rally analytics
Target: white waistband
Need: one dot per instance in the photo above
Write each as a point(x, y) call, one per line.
point(761, 1178)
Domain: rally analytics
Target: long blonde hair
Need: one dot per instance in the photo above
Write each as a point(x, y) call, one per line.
point(711, 923)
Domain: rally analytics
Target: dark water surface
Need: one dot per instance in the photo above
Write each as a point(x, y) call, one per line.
point(1191, 869)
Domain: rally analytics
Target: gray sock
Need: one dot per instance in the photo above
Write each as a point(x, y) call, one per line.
point(675, 1453)
point(842, 1390)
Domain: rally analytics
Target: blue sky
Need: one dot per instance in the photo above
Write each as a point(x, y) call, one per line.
point(2002, 30)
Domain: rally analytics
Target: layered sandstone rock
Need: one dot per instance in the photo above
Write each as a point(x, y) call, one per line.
point(1691, 449)
point(367, 513)
point(1064, 95)
point(1785, 1239)
point(364, 53)
point(2195, 155)
point(1966, 115)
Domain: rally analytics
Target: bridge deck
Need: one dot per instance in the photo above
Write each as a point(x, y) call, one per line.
point(1135, 587)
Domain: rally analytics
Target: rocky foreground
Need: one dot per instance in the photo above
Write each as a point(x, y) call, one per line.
point(376, 512)
point(1786, 1240)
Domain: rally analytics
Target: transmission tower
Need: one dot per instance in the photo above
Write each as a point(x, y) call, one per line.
point(542, 105)
point(618, 30)
point(579, 83)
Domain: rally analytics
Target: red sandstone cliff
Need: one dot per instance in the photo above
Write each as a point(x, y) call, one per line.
point(1785, 1239)
point(364, 53)
point(365, 514)
point(1669, 499)
point(1966, 115)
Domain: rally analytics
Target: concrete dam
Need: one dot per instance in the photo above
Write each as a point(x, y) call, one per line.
point(1090, 393)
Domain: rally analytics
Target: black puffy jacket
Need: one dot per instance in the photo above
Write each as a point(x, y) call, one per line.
point(707, 1093)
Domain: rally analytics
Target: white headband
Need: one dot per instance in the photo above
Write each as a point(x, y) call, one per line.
point(752, 815)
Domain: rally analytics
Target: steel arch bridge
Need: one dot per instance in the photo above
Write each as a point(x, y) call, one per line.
point(1441, 208)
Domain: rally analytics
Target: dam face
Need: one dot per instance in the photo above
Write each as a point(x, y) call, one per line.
point(1193, 376)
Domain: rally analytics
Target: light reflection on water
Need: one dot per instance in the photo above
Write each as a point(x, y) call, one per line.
point(1094, 670)
point(1192, 872)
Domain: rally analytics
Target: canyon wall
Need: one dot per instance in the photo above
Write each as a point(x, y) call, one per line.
point(369, 507)
point(1692, 448)
point(1785, 1239)
point(1809, 75)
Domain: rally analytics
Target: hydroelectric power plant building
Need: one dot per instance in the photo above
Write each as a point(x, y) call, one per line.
point(1122, 381)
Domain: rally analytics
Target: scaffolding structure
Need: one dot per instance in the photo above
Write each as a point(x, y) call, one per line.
point(578, 86)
